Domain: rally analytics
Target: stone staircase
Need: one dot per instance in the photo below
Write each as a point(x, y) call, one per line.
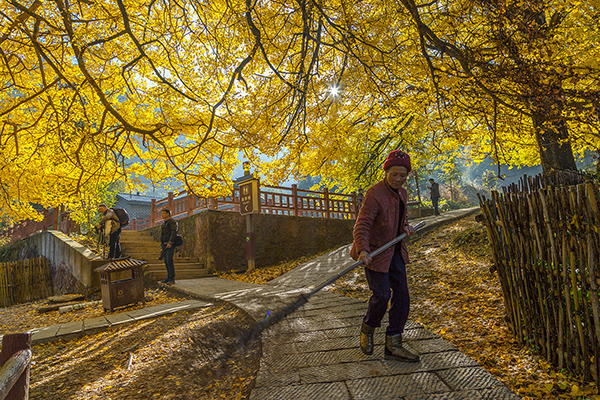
point(140, 245)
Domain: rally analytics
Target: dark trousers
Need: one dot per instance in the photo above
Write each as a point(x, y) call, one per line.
point(435, 201)
point(385, 286)
point(114, 244)
point(168, 257)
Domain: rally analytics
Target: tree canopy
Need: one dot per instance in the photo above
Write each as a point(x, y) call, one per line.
point(94, 90)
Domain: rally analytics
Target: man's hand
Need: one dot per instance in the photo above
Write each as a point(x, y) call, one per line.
point(365, 256)
point(409, 230)
point(168, 246)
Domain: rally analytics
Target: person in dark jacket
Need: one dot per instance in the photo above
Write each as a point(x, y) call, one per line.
point(382, 217)
point(434, 189)
point(168, 233)
point(111, 226)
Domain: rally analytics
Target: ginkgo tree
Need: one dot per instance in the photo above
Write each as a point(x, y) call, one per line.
point(94, 91)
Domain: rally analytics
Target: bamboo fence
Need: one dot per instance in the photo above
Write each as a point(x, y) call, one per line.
point(23, 281)
point(546, 245)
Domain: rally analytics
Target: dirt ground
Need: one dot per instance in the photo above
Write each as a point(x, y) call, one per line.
point(188, 355)
point(207, 355)
point(23, 317)
point(454, 295)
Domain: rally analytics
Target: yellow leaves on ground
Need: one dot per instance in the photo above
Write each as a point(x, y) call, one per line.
point(21, 318)
point(184, 355)
point(454, 295)
point(264, 274)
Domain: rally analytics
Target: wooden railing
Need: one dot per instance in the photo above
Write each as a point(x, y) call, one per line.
point(53, 219)
point(15, 361)
point(273, 200)
point(137, 224)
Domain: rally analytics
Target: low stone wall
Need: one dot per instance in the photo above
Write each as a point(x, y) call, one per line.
point(72, 265)
point(217, 238)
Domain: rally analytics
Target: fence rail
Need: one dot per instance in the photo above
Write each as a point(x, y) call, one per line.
point(546, 247)
point(273, 200)
point(15, 362)
point(53, 218)
point(23, 281)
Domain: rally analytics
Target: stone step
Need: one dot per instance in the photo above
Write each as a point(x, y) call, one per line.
point(142, 241)
point(181, 274)
point(177, 260)
point(148, 255)
point(158, 264)
point(182, 271)
point(135, 234)
point(139, 248)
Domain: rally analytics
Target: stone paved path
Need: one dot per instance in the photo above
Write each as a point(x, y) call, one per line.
point(313, 352)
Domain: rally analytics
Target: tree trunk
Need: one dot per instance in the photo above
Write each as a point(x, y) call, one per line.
point(554, 144)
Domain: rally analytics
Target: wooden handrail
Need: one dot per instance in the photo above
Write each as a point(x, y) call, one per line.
point(12, 370)
point(15, 359)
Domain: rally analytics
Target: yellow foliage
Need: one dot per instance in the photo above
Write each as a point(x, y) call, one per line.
point(94, 91)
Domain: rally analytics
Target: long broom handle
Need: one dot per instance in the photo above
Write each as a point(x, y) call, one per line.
point(361, 262)
point(272, 319)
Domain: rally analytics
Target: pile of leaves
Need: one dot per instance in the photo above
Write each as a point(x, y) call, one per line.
point(23, 317)
point(189, 355)
point(265, 274)
point(94, 242)
point(454, 295)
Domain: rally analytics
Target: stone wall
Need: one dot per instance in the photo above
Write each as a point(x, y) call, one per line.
point(72, 265)
point(217, 238)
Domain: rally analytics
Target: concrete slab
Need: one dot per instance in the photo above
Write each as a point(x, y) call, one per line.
point(43, 335)
point(95, 324)
point(69, 330)
point(118, 319)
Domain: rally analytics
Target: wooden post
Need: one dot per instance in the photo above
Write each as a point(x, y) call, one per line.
point(152, 212)
point(55, 218)
point(11, 344)
point(250, 244)
point(295, 199)
point(354, 205)
point(191, 203)
point(68, 227)
point(326, 196)
point(213, 203)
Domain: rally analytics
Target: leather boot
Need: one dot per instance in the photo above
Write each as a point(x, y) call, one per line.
point(366, 339)
point(395, 351)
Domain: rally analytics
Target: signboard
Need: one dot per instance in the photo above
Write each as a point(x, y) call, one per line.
point(249, 198)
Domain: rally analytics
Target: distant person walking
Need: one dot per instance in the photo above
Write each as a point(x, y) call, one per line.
point(168, 233)
point(435, 195)
point(382, 218)
point(111, 227)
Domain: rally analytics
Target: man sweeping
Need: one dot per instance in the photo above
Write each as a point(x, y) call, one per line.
point(382, 217)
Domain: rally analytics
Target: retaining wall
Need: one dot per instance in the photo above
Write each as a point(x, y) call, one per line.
point(72, 265)
point(218, 238)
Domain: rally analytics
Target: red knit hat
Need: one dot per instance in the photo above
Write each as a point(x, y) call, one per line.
point(397, 157)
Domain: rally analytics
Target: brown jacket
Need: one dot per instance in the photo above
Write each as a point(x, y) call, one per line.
point(377, 224)
point(110, 215)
